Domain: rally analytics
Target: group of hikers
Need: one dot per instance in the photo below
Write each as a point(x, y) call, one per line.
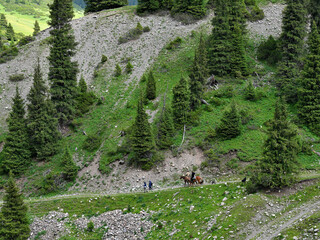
point(145, 186)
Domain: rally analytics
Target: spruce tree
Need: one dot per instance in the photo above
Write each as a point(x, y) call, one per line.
point(219, 42)
point(69, 168)
point(279, 164)
point(16, 155)
point(141, 138)
point(85, 98)
point(36, 28)
point(309, 92)
point(151, 87)
point(41, 124)
point(14, 224)
point(62, 71)
point(226, 46)
point(230, 123)
point(292, 40)
point(3, 21)
point(181, 103)
point(10, 33)
point(165, 128)
point(249, 92)
point(148, 6)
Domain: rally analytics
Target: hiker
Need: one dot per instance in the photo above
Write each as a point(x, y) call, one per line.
point(150, 185)
point(193, 179)
point(144, 186)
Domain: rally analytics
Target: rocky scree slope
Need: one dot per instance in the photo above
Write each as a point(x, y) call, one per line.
point(96, 34)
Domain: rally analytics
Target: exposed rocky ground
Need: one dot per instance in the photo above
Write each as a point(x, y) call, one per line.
point(116, 224)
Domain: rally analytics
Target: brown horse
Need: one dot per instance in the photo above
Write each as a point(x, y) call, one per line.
point(186, 180)
point(199, 180)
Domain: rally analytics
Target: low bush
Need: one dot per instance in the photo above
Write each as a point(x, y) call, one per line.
point(90, 226)
point(133, 34)
point(25, 40)
point(174, 44)
point(104, 58)
point(16, 77)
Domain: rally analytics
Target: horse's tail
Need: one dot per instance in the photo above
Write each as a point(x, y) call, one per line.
point(201, 181)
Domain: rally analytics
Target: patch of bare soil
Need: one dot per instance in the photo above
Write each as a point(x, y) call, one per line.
point(125, 178)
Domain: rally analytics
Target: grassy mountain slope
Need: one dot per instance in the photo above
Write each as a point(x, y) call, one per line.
point(23, 16)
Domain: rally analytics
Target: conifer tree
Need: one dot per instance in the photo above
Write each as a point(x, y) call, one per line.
point(14, 224)
point(151, 87)
point(85, 99)
point(118, 71)
point(165, 128)
point(70, 169)
point(226, 50)
point(36, 28)
point(141, 138)
point(62, 71)
point(16, 155)
point(196, 85)
point(293, 33)
point(249, 92)
point(279, 162)
point(230, 123)
point(181, 103)
point(198, 75)
point(129, 67)
point(3, 21)
point(148, 6)
point(219, 44)
point(309, 93)
point(10, 33)
point(41, 124)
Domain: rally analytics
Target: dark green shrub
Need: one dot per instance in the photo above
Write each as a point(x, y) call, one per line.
point(104, 58)
point(174, 44)
point(249, 92)
point(90, 226)
point(8, 54)
point(92, 143)
point(251, 187)
point(146, 29)
point(16, 77)
point(25, 40)
point(269, 51)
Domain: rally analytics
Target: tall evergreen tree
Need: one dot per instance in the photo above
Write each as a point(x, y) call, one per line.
point(279, 162)
point(293, 33)
point(10, 33)
point(230, 123)
point(198, 75)
point(3, 21)
point(181, 103)
point(309, 93)
point(14, 224)
point(99, 5)
point(16, 155)
point(36, 28)
point(151, 89)
point(141, 138)
point(148, 6)
point(226, 46)
point(70, 169)
point(165, 128)
point(42, 125)
point(62, 71)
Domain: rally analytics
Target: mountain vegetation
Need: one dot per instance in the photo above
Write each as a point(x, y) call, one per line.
point(249, 106)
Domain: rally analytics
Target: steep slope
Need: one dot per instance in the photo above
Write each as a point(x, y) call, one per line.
point(96, 34)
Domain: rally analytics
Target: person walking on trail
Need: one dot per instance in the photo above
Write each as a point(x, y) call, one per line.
point(144, 186)
point(150, 185)
point(193, 178)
